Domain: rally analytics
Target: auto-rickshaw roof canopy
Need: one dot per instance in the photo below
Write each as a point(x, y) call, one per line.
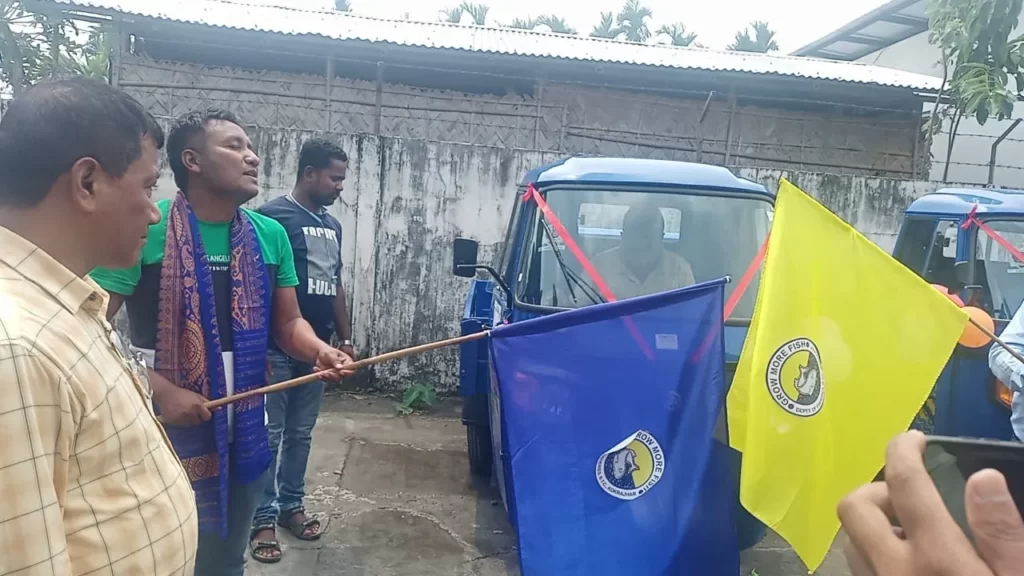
point(960, 201)
point(639, 172)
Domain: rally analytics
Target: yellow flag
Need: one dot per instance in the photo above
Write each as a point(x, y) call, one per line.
point(844, 348)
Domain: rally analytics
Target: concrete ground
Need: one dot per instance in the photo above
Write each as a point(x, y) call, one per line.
point(398, 500)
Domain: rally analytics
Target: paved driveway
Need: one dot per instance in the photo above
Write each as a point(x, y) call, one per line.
point(399, 501)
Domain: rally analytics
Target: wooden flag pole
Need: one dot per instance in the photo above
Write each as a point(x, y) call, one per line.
point(353, 366)
point(997, 340)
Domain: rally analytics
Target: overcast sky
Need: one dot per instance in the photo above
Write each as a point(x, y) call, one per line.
point(796, 22)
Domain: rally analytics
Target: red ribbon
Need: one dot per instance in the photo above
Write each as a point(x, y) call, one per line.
point(748, 276)
point(972, 218)
point(588, 267)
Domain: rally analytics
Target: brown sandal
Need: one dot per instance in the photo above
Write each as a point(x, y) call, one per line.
point(258, 548)
point(298, 529)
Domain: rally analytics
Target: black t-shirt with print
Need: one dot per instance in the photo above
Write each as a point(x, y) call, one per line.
point(316, 243)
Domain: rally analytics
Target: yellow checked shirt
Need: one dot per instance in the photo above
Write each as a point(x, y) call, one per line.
point(89, 483)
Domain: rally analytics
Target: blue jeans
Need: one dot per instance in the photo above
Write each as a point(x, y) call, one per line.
point(226, 556)
point(291, 416)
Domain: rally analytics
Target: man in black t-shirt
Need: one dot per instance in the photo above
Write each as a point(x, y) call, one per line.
point(315, 238)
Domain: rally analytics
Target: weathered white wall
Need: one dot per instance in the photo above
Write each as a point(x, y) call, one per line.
point(406, 200)
point(403, 205)
point(874, 206)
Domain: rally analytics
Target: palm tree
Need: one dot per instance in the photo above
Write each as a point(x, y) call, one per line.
point(632, 20)
point(452, 15)
point(606, 28)
point(763, 40)
point(477, 11)
point(521, 24)
point(556, 24)
point(678, 34)
point(342, 6)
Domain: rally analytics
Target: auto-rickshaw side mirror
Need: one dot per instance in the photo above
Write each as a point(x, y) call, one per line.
point(464, 257)
point(464, 263)
point(962, 270)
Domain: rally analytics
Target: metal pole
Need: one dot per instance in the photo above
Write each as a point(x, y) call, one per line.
point(120, 43)
point(536, 120)
point(728, 129)
point(379, 100)
point(916, 150)
point(327, 94)
point(561, 133)
point(700, 127)
point(995, 146)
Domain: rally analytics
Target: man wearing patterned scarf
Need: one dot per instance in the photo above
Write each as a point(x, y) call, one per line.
point(215, 281)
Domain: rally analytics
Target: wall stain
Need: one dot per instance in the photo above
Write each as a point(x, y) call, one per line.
point(410, 199)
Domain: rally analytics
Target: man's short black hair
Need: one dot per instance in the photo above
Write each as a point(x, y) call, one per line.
point(57, 123)
point(317, 154)
point(643, 217)
point(183, 131)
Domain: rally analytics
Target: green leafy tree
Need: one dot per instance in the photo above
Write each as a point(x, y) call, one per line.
point(556, 24)
point(678, 34)
point(606, 28)
point(93, 59)
point(632, 21)
point(979, 60)
point(36, 45)
point(522, 24)
point(478, 12)
point(763, 39)
point(342, 5)
point(452, 15)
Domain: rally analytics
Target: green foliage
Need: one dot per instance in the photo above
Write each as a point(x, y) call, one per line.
point(36, 45)
point(417, 397)
point(632, 21)
point(974, 36)
point(678, 33)
point(762, 41)
point(556, 24)
point(606, 28)
point(477, 11)
point(452, 15)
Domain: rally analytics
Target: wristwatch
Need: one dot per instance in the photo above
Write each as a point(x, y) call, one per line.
point(346, 342)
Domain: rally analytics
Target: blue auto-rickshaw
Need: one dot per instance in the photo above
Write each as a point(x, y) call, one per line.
point(714, 220)
point(933, 242)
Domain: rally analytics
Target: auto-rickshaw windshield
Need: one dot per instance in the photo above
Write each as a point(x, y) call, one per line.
point(642, 242)
point(1001, 274)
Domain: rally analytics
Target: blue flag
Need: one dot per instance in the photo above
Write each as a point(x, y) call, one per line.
point(608, 415)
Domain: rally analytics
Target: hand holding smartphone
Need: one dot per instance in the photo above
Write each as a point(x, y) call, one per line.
point(951, 461)
point(981, 535)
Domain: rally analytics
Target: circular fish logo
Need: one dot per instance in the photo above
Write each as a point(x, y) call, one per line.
point(795, 379)
point(632, 468)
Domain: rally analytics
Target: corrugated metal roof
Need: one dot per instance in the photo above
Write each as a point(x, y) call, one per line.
point(882, 27)
point(343, 26)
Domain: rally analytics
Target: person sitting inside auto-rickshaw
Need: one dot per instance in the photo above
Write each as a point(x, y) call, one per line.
point(641, 265)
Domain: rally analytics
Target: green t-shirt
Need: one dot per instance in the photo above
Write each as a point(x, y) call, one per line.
point(140, 284)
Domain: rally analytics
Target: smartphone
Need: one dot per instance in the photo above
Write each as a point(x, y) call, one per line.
point(951, 461)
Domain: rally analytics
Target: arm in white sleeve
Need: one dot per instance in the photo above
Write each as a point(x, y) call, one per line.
point(1006, 368)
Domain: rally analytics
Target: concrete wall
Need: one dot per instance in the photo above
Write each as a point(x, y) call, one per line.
point(406, 200)
point(972, 147)
point(568, 118)
point(874, 206)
